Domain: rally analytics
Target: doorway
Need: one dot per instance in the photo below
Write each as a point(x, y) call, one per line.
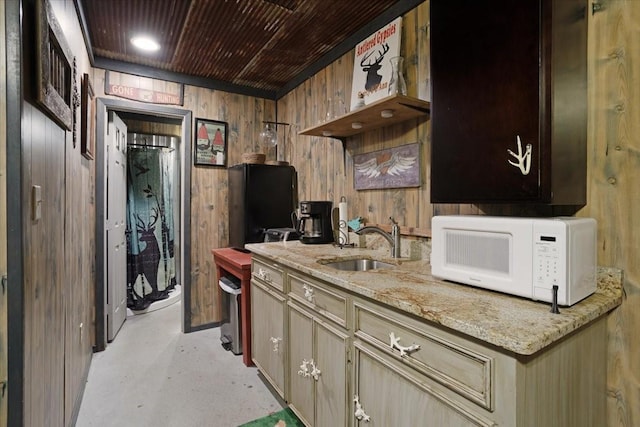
point(151, 113)
point(153, 182)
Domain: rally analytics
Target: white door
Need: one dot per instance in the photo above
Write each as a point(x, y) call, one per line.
point(115, 219)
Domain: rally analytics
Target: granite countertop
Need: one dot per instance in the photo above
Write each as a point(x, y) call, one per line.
point(518, 325)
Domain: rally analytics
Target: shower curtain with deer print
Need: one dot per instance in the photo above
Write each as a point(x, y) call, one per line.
point(150, 226)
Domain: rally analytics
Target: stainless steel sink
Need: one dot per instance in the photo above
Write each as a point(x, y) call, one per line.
point(359, 264)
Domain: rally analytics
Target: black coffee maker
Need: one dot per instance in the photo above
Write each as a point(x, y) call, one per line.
point(315, 222)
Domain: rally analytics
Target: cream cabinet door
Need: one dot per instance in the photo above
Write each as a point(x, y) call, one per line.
point(301, 365)
point(318, 370)
point(332, 389)
point(267, 334)
point(388, 395)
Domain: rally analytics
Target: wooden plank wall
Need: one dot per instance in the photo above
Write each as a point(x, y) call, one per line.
point(3, 220)
point(319, 161)
point(209, 201)
point(152, 128)
point(44, 268)
point(614, 169)
point(79, 240)
point(57, 348)
point(59, 248)
point(614, 199)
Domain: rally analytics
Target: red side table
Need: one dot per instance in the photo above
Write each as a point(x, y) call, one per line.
point(238, 264)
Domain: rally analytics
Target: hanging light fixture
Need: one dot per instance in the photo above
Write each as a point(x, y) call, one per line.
point(269, 135)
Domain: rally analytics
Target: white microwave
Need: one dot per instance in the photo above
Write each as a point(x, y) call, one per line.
point(518, 256)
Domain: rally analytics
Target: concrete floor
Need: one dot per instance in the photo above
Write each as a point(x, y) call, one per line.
point(154, 375)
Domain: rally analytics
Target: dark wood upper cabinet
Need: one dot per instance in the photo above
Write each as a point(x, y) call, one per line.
point(504, 71)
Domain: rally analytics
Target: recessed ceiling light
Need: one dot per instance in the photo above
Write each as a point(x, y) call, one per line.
point(145, 43)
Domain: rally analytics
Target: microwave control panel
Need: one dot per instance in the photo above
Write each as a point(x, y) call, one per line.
point(546, 262)
point(549, 255)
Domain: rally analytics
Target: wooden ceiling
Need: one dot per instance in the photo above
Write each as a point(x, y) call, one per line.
point(265, 46)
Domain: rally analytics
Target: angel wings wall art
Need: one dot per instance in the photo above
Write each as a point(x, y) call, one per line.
point(390, 168)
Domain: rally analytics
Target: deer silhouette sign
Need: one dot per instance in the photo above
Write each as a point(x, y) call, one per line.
point(371, 67)
point(148, 260)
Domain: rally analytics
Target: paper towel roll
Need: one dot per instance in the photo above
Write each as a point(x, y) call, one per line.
point(343, 216)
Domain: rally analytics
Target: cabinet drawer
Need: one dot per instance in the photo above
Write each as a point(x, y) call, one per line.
point(328, 302)
point(268, 272)
point(442, 357)
point(407, 400)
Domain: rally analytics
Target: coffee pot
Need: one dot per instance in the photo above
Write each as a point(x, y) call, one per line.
point(314, 223)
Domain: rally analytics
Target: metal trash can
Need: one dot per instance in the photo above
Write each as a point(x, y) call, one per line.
point(231, 328)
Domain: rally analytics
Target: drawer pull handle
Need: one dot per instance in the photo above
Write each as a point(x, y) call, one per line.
point(309, 369)
point(360, 414)
point(308, 293)
point(262, 274)
point(276, 344)
point(395, 343)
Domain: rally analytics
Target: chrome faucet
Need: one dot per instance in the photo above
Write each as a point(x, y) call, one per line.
point(393, 238)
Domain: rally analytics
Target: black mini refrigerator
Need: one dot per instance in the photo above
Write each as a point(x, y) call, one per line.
point(260, 197)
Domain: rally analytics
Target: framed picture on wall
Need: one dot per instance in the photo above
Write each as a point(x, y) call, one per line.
point(397, 167)
point(210, 143)
point(87, 120)
point(53, 67)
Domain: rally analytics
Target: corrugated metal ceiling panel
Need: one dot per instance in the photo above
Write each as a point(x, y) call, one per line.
point(261, 44)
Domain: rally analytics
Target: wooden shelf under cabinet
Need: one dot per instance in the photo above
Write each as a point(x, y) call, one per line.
point(370, 117)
